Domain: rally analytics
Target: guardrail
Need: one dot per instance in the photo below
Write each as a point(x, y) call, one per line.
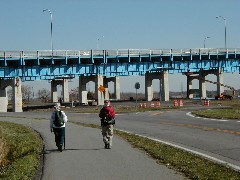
point(118, 52)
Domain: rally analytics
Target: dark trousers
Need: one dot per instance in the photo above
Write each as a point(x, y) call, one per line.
point(59, 135)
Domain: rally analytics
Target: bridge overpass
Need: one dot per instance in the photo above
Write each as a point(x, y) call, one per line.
point(103, 66)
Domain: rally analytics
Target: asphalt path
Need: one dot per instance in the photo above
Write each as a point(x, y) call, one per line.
point(215, 139)
point(85, 157)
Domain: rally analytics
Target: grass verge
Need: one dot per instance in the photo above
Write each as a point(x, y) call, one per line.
point(191, 165)
point(226, 113)
point(23, 152)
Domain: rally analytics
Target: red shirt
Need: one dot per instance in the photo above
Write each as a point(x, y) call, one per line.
point(107, 111)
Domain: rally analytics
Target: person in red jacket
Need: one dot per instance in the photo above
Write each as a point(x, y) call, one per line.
point(107, 117)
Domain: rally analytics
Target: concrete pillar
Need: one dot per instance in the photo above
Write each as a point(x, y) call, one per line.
point(65, 90)
point(117, 88)
point(105, 85)
point(99, 80)
point(202, 85)
point(99, 95)
point(189, 87)
point(3, 99)
point(54, 95)
point(148, 87)
point(165, 87)
point(220, 89)
point(116, 82)
point(17, 95)
point(82, 90)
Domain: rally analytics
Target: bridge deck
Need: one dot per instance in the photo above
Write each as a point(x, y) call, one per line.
point(34, 65)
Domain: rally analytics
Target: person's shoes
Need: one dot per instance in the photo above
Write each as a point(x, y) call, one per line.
point(60, 147)
point(106, 146)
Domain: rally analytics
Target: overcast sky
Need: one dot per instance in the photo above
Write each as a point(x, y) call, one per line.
point(135, 24)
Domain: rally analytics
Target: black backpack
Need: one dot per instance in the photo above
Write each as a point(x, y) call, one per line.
point(58, 122)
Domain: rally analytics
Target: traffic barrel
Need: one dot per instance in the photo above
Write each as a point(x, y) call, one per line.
point(175, 103)
point(180, 102)
point(140, 105)
point(157, 104)
point(144, 105)
point(152, 104)
point(206, 102)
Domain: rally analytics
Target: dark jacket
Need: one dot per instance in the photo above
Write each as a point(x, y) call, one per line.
point(107, 113)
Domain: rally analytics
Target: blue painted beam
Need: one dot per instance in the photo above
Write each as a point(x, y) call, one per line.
point(33, 65)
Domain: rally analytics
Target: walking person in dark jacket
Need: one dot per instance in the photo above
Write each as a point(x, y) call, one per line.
point(107, 116)
point(57, 125)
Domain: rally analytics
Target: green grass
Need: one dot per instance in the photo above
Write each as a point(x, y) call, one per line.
point(23, 151)
point(24, 147)
point(228, 113)
point(118, 109)
point(232, 111)
point(191, 165)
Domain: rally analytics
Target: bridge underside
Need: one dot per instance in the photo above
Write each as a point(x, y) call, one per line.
point(39, 65)
point(99, 65)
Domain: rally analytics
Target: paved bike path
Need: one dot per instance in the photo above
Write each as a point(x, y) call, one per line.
point(85, 157)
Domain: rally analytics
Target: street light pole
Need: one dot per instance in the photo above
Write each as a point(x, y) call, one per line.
point(225, 23)
point(51, 28)
point(98, 41)
point(205, 40)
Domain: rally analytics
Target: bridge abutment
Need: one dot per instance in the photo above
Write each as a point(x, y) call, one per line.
point(164, 85)
point(16, 94)
point(202, 91)
point(65, 91)
point(98, 80)
point(116, 82)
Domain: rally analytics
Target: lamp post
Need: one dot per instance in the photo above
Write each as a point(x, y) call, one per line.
point(51, 28)
point(98, 39)
point(225, 22)
point(205, 40)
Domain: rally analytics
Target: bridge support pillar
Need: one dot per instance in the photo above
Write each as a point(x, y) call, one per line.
point(82, 89)
point(189, 87)
point(3, 99)
point(99, 95)
point(202, 85)
point(220, 89)
point(65, 92)
point(164, 85)
point(116, 82)
point(83, 80)
point(54, 96)
point(16, 94)
point(202, 82)
point(148, 86)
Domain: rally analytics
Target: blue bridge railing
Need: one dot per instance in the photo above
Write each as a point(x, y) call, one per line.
point(47, 64)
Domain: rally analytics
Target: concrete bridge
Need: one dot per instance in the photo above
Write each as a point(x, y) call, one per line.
point(103, 66)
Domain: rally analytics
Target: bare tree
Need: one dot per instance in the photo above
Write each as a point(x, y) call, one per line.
point(26, 92)
point(9, 93)
point(44, 94)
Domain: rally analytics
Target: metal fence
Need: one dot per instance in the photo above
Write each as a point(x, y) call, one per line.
point(117, 52)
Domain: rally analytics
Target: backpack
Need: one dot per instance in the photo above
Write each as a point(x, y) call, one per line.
point(108, 120)
point(58, 122)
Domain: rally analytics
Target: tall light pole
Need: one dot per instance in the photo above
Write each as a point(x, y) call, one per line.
point(205, 40)
point(98, 39)
point(51, 28)
point(225, 22)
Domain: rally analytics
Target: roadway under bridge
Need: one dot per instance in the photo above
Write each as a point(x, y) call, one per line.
point(103, 66)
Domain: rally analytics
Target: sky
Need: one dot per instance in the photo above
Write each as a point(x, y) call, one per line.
point(122, 24)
